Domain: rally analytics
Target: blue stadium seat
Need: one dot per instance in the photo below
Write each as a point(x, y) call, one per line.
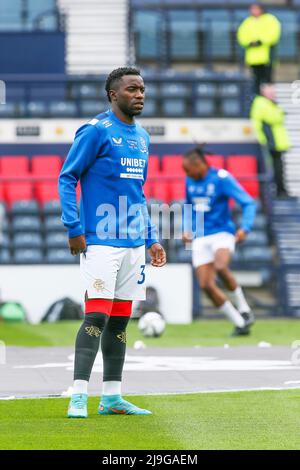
point(27, 240)
point(51, 208)
point(287, 47)
point(28, 256)
point(257, 255)
point(178, 90)
point(206, 90)
point(53, 223)
point(217, 27)
point(92, 108)
point(8, 110)
point(151, 90)
point(146, 26)
point(174, 107)
point(25, 208)
point(62, 109)
point(230, 107)
point(229, 90)
point(4, 240)
point(10, 15)
point(60, 256)
point(150, 108)
point(56, 240)
point(5, 256)
point(256, 238)
point(38, 7)
point(27, 223)
point(184, 256)
point(204, 107)
point(85, 90)
point(184, 32)
point(37, 108)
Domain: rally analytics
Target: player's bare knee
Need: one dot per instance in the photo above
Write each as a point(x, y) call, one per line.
point(208, 286)
point(220, 268)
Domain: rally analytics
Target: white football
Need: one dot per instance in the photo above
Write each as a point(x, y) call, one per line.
point(152, 324)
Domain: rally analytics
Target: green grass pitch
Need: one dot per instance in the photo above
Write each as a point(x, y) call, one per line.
point(201, 333)
point(233, 420)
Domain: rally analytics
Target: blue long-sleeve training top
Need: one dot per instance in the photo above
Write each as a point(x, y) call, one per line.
point(209, 199)
point(110, 159)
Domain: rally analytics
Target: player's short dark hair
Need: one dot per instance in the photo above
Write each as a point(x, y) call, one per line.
point(115, 76)
point(196, 153)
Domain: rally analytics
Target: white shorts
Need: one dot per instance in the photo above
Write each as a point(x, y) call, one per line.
point(109, 272)
point(204, 248)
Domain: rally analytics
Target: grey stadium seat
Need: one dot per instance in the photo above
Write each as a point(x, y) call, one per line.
point(52, 208)
point(60, 256)
point(53, 223)
point(56, 240)
point(27, 240)
point(25, 208)
point(29, 223)
point(28, 256)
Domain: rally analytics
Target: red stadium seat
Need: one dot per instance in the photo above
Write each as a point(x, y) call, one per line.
point(160, 191)
point(1, 192)
point(46, 165)
point(147, 188)
point(14, 165)
point(244, 166)
point(177, 189)
point(172, 165)
point(217, 161)
point(153, 165)
point(17, 191)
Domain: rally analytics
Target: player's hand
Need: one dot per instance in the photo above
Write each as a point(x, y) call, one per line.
point(240, 235)
point(77, 245)
point(158, 255)
point(187, 237)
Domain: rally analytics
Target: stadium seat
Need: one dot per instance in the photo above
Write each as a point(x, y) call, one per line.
point(27, 240)
point(4, 240)
point(62, 109)
point(244, 166)
point(204, 107)
point(60, 256)
point(5, 256)
point(17, 191)
point(37, 109)
point(44, 166)
point(1, 192)
point(207, 90)
point(29, 207)
point(56, 240)
point(217, 161)
point(12, 165)
point(184, 256)
point(256, 238)
point(160, 191)
point(258, 255)
point(92, 108)
point(177, 190)
point(153, 165)
point(28, 256)
point(231, 107)
point(8, 110)
point(183, 29)
point(174, 107)
point(26, 223)
point(150, 108)
point(172, 165)
point(51, 207)
point(53, 223)
point(146, 26)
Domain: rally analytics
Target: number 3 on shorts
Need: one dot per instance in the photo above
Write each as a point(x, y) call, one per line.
point(143, 275)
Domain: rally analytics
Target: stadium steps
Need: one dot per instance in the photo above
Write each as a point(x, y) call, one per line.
point(291, 159)
point(96, 35)
point(285, 223)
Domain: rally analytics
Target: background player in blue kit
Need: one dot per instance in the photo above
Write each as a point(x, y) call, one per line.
point(208, 190)
point(109, 157)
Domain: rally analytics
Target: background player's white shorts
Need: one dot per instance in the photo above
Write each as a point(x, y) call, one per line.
point(109, 272)
point(204, 248)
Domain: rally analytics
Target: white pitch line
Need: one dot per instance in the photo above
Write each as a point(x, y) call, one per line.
point(196, 392)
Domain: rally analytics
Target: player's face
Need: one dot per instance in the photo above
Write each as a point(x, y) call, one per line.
point(129, 96)
point(195, 169)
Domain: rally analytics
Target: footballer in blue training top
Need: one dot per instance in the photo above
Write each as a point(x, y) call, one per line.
point(213, 234)
point(109, 157)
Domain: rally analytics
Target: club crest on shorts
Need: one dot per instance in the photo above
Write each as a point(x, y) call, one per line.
point(93, 331)
point(99, 285)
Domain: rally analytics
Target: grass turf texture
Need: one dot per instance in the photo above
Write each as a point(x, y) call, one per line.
point(202, 333)
point(239, 420)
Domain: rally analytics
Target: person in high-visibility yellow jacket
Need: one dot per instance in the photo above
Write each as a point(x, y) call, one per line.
point(268, 121)
point(258, 34)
